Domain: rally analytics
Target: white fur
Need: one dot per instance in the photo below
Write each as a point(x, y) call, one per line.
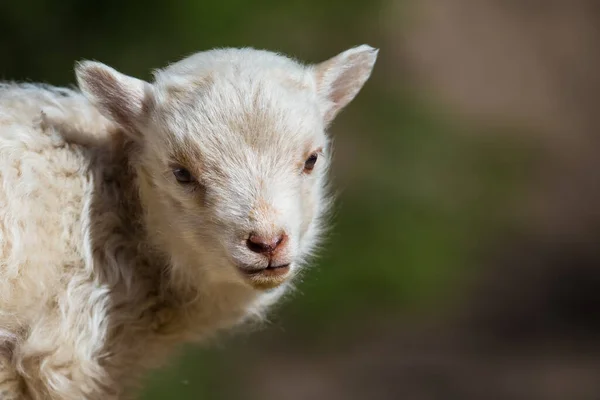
point(107, 263)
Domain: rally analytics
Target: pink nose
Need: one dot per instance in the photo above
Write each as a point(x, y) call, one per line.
point(266, 245)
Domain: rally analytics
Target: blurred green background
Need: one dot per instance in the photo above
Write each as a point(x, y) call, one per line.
point(463, 248)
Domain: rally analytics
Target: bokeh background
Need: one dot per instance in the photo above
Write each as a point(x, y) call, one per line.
point(464, 260)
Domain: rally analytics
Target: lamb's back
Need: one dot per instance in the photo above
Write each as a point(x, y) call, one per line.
point(44, 187)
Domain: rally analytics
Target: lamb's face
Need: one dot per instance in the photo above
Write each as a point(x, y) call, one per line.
point(235, 152)
point(240, 164)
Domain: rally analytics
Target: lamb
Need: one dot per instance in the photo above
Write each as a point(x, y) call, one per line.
point(136, 216)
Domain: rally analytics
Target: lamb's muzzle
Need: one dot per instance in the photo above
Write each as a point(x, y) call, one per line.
point(273, 248)
point(265, 244)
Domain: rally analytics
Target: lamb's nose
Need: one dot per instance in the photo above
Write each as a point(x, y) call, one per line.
point(265, 244)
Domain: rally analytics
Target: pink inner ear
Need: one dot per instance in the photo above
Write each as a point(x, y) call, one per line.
point(341, 78)
point(351, 79)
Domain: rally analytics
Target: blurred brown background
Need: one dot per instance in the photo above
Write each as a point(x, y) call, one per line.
point(464, 261)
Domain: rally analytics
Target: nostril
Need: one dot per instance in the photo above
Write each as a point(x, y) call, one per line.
point(279, 240)
point(260, 244)
point(256, 245)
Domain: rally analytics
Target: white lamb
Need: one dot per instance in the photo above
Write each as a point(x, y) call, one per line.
point(138, 216)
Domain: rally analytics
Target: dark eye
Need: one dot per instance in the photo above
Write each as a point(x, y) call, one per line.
point(183, 175)
point(310, 162)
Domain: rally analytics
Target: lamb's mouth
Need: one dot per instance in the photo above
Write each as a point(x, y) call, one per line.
point(266, 278)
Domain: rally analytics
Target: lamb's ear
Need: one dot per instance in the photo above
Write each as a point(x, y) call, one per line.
point(122, 98)
point(340, 78)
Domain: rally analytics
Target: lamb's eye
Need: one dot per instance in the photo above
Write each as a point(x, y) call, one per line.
point(310, 162)
point(183, 175)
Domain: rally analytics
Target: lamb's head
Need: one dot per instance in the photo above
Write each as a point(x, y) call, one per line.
point(233, 154)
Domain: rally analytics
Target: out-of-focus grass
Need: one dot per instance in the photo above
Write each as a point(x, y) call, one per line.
point(198, 374)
